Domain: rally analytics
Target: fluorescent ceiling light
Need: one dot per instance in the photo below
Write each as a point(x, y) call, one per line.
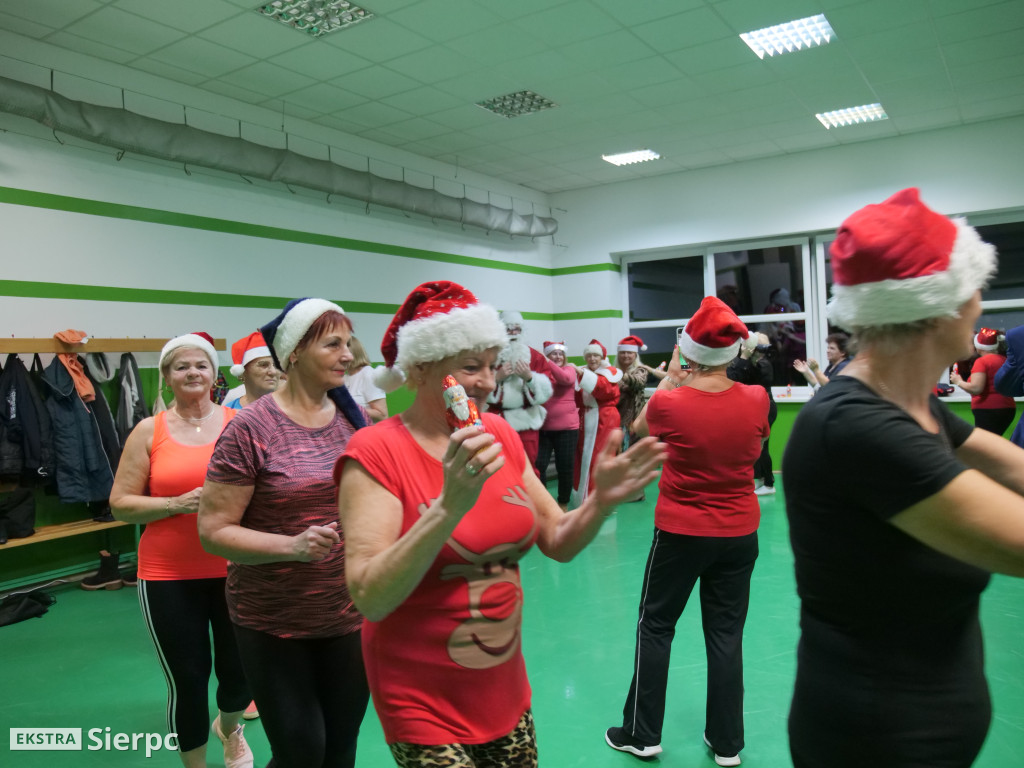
point(791, 36)
point(315, 17)
point(518, 103)
point(864, 114)
point(628, 158)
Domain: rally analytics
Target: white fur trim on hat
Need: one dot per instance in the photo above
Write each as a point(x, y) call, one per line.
point(556, 347)
point(891, 302)
point(250, 354)
point(189, 340)
point(630, 348)
point(511, 317)
point(710, 356)
point(295, 324)
point(593, 349)
point(463, 329)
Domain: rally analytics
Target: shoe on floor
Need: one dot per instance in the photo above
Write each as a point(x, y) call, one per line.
point(130, 577)
point(236, 752)
point(107, 577)
point(617, 738)
point(721, 759)
point(765, 490)
point(251, 713)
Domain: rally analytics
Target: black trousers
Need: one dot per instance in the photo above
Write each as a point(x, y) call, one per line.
point(763, 466)
point(995, 420)
point(563, 443)
point(723, 565)
point(182, 616)
point(311, 694)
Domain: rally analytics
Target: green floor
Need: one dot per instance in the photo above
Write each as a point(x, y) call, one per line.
point(88, 663)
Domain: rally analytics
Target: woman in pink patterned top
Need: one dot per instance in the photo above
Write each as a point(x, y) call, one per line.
point(269, 507)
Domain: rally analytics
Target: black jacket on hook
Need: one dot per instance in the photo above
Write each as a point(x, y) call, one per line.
point(26, 442)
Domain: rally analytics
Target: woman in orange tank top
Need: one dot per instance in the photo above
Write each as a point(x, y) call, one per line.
point(181, 586)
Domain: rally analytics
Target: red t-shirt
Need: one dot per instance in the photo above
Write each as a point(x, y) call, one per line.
point(446, 666)
point(289, 468)
point(989, 364)
point(714, 438)
point(169, 549)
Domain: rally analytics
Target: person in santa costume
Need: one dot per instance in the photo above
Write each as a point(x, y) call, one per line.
point(561, 429)
point(597, 399)
point(898, 509)
point(992, 410)
point(436, 522)
point(705, 529)
point(523, 386)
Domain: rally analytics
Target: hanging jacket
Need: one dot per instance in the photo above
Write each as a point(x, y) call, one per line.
point(100, 408)
point(82, 469)
point(26, 443)
point(131, 401)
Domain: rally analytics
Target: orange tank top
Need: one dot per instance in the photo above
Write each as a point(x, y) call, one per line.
point(169, 548)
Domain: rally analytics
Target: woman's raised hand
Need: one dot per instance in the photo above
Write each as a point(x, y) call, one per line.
point(620, 477)
point(472, 456)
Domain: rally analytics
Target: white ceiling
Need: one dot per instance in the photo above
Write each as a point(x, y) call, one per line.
point(669, 75)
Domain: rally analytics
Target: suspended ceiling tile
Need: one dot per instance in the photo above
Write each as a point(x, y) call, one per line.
point(608, 51)
point(902, 64)
point(633, 75)
point(243, 95)
point(924, 121)
point(866, 17)
point(376, 82)
point(707, 57)
point(124, 30)
point(196, 55)
point(525, 8)
point(466, 116)
point(990, 110)
point(1007, 88)
point(443, 21)
point(683, 30)
point(984, 71)
point(945, 7)
point(803, 142)
point(965, 26)
point(417, 129)
point(748, 15)
point(343, 122)
point(374, 114)
point(753, 150)
point(479, 84)
point(437, 63)
point(423, 101)
point(264, 77)
point(257, 35)
point(995, 46)
point(89, 47)
point(571, 22)
point(631, 13)
point(377, 40)
point(55, 14)
point(495, 45)
point(320, 60)
point(171, 72)
point(324, 98)
point(186, 15)
point(27, 27)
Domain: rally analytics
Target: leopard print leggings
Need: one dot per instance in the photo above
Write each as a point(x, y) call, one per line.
point(517, 750)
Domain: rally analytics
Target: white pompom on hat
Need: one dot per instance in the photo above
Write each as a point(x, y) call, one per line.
point(437, 320)
point(899, 261)
point(285, 331)
point(714, 335)
point(247, 349)
point(632, 344)
point(200, 340)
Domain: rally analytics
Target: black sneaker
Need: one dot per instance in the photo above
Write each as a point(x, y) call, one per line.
point(617, 738)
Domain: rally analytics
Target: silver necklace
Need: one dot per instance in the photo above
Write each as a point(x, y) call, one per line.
point(198, 422)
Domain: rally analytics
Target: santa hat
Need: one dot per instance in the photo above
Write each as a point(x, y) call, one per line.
point(200, 340)
point(247, 349)
point(285, 331)
point(899, 261)
point(511, 317)
point(437, 320)
point(632, 344)
point(987, 340)
point(714, 334)
point(553, 346)
point(595, 347)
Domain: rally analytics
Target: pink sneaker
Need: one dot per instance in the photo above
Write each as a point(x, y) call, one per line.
point(236, 752)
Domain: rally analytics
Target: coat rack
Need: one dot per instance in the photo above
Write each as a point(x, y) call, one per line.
point(52, 345)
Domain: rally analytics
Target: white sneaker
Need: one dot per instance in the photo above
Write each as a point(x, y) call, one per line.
point(236, 751)
point(721, 759)
point(765, 490)
point(758, 483)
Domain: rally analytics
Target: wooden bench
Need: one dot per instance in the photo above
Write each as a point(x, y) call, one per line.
point(53, 532)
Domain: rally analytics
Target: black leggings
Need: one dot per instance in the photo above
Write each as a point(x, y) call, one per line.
point(311, 693)
point(993, 419)
point(180, 616)
point(763, 466)
point(563, 443)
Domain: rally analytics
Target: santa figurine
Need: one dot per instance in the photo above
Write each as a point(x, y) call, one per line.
point(523, 386)
point(597, 397)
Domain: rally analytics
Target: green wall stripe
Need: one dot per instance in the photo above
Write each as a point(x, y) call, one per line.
point(155, 216)
point(40, 290)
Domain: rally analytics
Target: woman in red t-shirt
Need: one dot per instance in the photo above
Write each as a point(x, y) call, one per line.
point(181, 587)
point(705, 527)
point(435, 525)
point(992, 411)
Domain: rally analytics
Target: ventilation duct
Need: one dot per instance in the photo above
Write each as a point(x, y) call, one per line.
point(127, 131)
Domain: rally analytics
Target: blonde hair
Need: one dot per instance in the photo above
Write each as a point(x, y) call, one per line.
point(359, 356)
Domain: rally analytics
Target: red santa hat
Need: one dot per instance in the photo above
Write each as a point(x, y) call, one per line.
point(632, 344)
point(595, 347)
point(714, 334)
point(553, 346)
point(200, 340)
point(437, 320)
point(247, 349)
point(899, 261)
point(987, 340)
